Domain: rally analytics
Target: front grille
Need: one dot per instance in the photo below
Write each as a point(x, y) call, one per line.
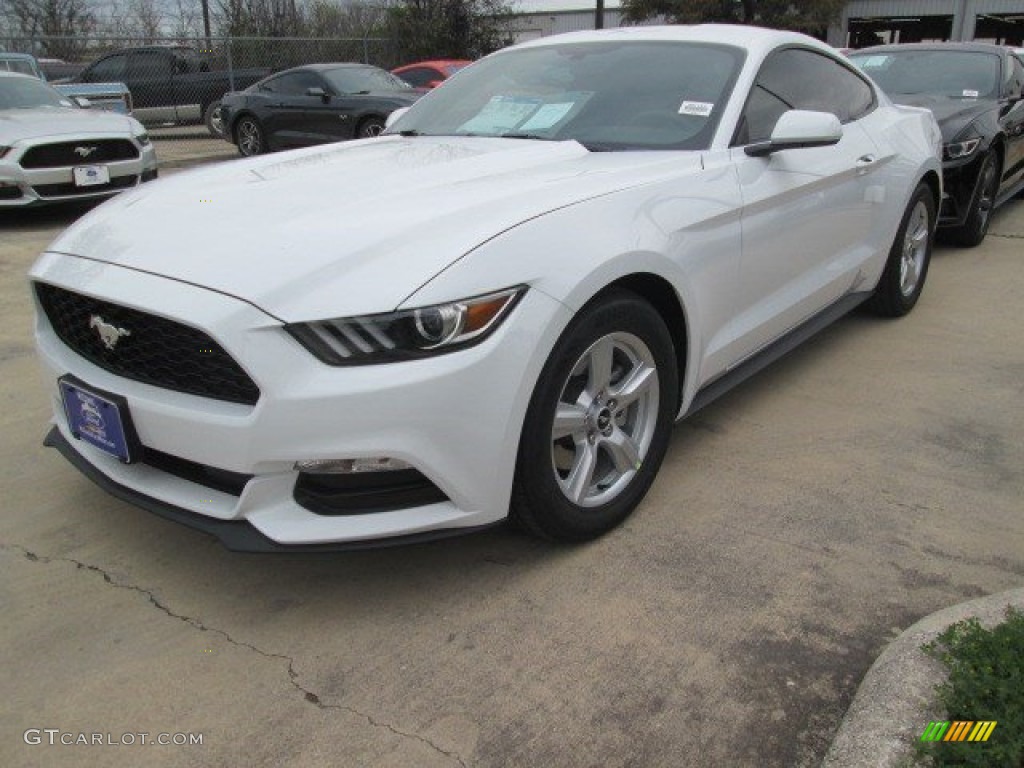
point(65, 154)
point(67, 189)
point(155, 351)
point(9, 193)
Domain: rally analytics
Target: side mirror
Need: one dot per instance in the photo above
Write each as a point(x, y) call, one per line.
point(394, 117)
point(319, 92)
point(83, 102)
point(799, 129)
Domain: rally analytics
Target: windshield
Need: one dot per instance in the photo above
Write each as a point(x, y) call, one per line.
point(19, 92)
point(954, 74)
point(364, 79)
point(618, 95)
point(22, 66)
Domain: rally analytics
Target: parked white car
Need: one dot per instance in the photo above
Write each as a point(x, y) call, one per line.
point(499, 307)
point(52, 150)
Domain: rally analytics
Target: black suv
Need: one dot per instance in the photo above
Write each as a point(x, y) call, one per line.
point(975, 92)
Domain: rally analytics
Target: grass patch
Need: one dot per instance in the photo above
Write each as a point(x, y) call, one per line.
point(986, 682)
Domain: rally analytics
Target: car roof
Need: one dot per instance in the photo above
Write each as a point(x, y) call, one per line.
point(754, 39)
point(436, 63)
point(333, 65)
point(967, 47)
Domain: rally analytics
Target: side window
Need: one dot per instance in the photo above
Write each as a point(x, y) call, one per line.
point(1016, 81)
point(295, 83)
point(149, 65)
point(108, 70)
point(796, 78)
point(421, 77)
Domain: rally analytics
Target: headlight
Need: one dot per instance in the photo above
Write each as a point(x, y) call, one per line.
point(408, 334)
point(960, 149)
point(142, 138)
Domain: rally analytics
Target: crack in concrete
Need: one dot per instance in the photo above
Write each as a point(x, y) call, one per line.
point(293, 676)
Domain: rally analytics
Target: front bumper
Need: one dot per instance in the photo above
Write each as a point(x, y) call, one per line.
point(455, 418)
point(959, 180)
point(21, 187)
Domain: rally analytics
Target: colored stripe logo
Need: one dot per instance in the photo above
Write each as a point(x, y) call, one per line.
point(959, 730)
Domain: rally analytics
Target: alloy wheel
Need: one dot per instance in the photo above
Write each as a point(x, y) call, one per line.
point(605, 419)
point(915, 248)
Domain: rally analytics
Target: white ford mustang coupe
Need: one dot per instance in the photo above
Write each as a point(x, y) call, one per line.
point(497, 309)
point(54, 151)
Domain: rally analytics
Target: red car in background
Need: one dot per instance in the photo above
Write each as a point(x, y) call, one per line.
point(430, 74)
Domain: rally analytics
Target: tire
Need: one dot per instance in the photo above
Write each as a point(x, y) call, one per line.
point(370, 127)
point(211, 116)
point(249, 137)
point(907, 266)
point(974, 229)
point(579, 478)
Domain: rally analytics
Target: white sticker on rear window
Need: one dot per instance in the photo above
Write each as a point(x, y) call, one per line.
point(873, 61)
point(971, 94)
point(698, 108)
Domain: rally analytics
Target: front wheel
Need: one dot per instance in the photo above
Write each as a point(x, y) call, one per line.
point(907, 267)
point(249, 137)
point(598, 423)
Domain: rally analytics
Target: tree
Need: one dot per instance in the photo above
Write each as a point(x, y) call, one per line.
point(812, 16)
point(58, 25)
point(448, 29)
point(262, 18)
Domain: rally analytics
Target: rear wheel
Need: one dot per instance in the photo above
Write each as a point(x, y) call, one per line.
point(370, 127)
point(974, 229)
point(249, 137)
point(214, 124)
point(598, 423)
point(907, 267)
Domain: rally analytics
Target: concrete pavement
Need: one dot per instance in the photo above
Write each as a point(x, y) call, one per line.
point(798, 526)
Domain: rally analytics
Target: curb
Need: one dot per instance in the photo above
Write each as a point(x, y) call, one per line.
point(895, 701)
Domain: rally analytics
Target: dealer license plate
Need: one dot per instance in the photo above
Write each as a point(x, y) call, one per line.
point(91, 175)
point(101, 420)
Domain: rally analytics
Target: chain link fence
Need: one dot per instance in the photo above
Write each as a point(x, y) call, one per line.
point(177, 81)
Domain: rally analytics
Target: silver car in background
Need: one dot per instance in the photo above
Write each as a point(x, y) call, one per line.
point(53, 150)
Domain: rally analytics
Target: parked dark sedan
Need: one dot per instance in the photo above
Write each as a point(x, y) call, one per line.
point(975, 92)
point(314, 104)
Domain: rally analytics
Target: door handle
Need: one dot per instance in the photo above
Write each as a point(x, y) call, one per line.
point(864, 163)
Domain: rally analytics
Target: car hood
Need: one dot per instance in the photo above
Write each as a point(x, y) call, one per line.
point(952, 115)
point(351, 228)
point(16, 124)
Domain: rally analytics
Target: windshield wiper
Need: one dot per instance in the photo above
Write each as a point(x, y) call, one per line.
point(409, 132)
point(534, 136)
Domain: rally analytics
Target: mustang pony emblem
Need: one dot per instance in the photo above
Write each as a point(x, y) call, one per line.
point(109, 334)
point(84, 151)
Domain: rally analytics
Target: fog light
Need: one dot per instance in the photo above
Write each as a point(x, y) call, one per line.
point(351, 466)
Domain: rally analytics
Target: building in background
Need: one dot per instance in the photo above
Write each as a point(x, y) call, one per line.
point(872, 22)
point(862, 23)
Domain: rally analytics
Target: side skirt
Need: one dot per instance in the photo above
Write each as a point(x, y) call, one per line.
point(777, 349)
